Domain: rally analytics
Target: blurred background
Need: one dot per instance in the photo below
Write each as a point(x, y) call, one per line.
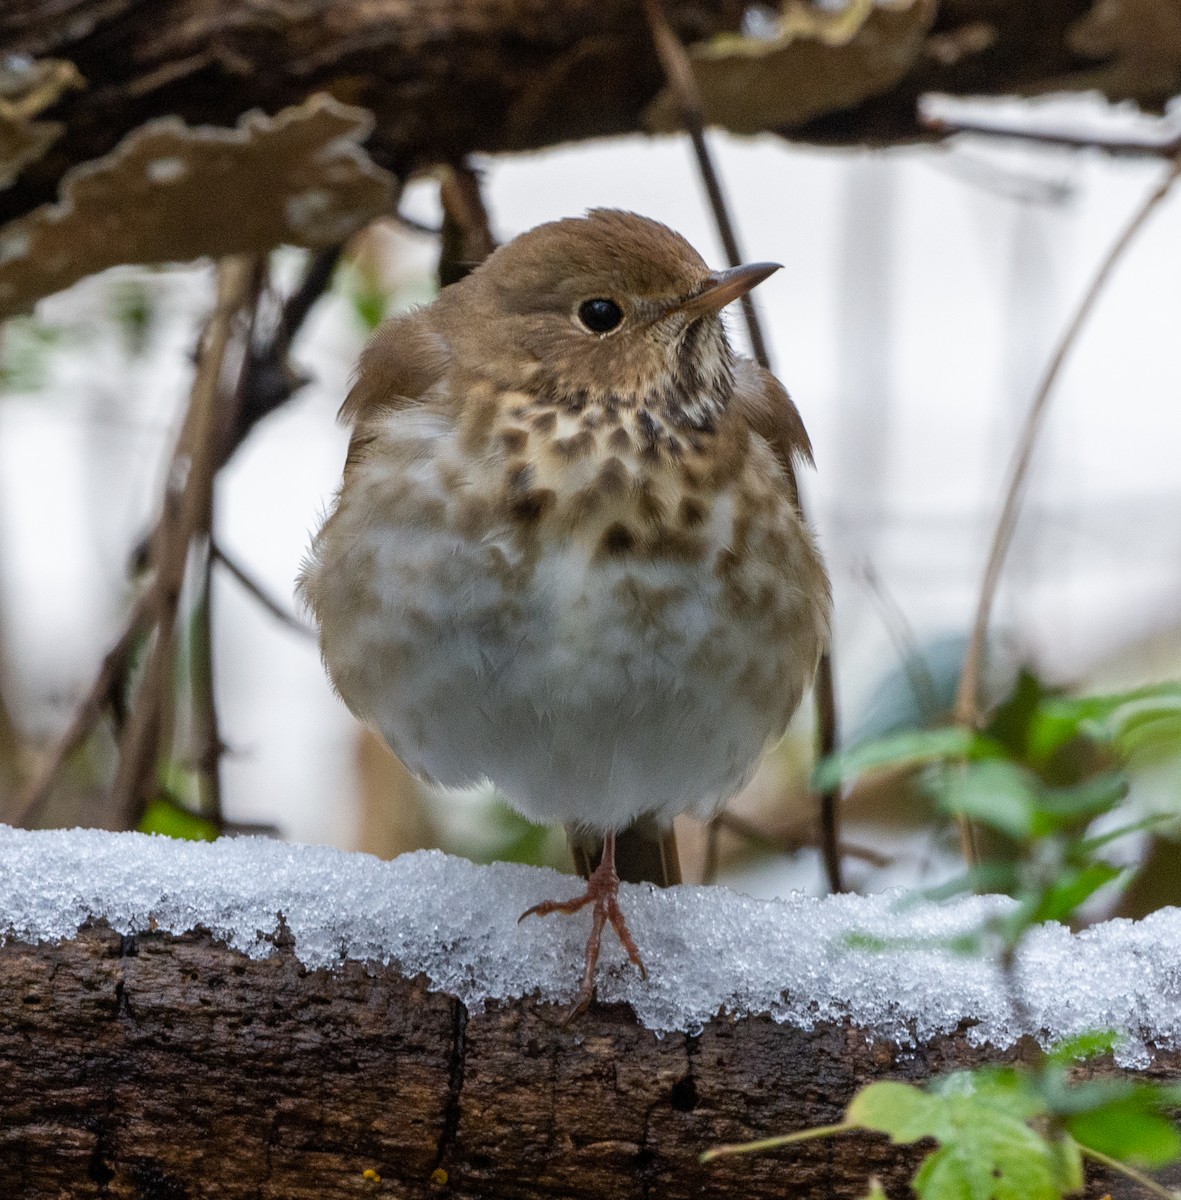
point(925, 290)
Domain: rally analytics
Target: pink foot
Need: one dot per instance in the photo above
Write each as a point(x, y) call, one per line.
point(602, 890)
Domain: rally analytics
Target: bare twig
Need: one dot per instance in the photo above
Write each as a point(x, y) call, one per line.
point(268, 380)
point(967, 701)
point(417, 226)
point(678, 71)
point(206, 725)
point(254, 589)
point(111, 674)
point(1149, 1184)
point(899, 631)
point(187, 499)
point(791, 843)
point(1157, 147)
point(467, 236)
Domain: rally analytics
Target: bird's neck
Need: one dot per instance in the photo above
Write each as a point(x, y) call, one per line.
point(690, 392)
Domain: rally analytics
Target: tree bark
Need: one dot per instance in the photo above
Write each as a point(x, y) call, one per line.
point(170, 1068)
point(448, 78)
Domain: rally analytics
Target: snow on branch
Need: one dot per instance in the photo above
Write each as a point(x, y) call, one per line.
point(881, 963)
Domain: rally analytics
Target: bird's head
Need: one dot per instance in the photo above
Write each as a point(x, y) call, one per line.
point(610, 304)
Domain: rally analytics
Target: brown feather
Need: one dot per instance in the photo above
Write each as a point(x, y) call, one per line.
point(763, 403)
point(403, 362)
point(405, 359)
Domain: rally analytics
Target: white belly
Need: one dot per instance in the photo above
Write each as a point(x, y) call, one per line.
point(588, 691)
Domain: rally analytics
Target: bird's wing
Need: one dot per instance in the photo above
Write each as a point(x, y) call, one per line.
point(401, 367)
point(404, 360)
point(763, 404)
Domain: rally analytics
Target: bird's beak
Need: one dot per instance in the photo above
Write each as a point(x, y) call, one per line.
point(724, 287)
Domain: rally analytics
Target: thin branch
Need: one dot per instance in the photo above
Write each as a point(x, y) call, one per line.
point(774, 1143)
point(187, 501)
point(268, 380)
point(206, 724)
point(899, 631)
point(257, 592)
point(1166, 147)
point(417, 226)
point(467, 236)
point(787, 844)
point(1138, 1177)
point(678, 71)
point(112, 672)
point(967, 702)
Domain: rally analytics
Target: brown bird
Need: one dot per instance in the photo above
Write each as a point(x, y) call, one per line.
point(567, 554)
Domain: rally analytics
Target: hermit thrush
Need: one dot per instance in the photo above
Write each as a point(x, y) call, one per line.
point(567, 554)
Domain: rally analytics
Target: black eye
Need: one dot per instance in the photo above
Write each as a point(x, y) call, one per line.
point(600, 315)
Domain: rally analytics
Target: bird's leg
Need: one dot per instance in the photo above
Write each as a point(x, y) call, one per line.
point(602, 891)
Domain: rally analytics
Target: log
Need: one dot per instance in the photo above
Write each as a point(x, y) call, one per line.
point(448, 79)
point(159, 1067)
point(164, 1064)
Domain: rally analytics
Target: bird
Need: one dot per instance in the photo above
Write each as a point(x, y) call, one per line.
point(567, 555)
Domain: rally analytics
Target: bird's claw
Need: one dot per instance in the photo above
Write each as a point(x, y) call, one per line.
point(602, 892)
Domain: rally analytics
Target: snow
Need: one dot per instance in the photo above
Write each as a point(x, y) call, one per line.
point(706, 949)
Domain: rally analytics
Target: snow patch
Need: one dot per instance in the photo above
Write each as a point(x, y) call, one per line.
point(707, 949)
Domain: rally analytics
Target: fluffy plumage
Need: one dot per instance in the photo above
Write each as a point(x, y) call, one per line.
point(573, 563)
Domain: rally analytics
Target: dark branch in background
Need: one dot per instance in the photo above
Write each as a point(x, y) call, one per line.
point(206, 723)
point(207, 745)
point(679, 72)
point(268, 380)
point(777, 843)
point(416, 226)
point(967, 701)
point(1156, 147)
point(185, 515)
point(910, 656)
point(103, 695)
point(967, 710)
point(466, 234)
point(256, 591)
point(265, 382)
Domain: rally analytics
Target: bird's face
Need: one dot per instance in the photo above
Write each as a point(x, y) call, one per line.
point(608, 305)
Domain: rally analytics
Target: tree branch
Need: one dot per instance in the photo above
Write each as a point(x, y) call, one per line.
point(207, 1072)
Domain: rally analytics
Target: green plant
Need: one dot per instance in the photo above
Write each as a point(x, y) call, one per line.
point(1036, 778)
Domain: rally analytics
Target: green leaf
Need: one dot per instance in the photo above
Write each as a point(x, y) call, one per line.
point(1012, 721)
point(997, 793)
point(1108, 718)
point(876, 1191)
point(986, 1149)
point(1126, 1131)
point(1081, 801)
point(986, 879)
point(1070, 888)
point(1083, 1046)
point(900, 1110)
point(910, 749)
point(1000, 1161)
point(162, 816)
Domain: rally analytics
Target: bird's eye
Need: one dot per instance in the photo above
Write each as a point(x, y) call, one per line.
point(600, 315)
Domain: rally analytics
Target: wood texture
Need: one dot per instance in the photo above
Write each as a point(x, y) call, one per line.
point(165, 1068)
point(449, 77)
